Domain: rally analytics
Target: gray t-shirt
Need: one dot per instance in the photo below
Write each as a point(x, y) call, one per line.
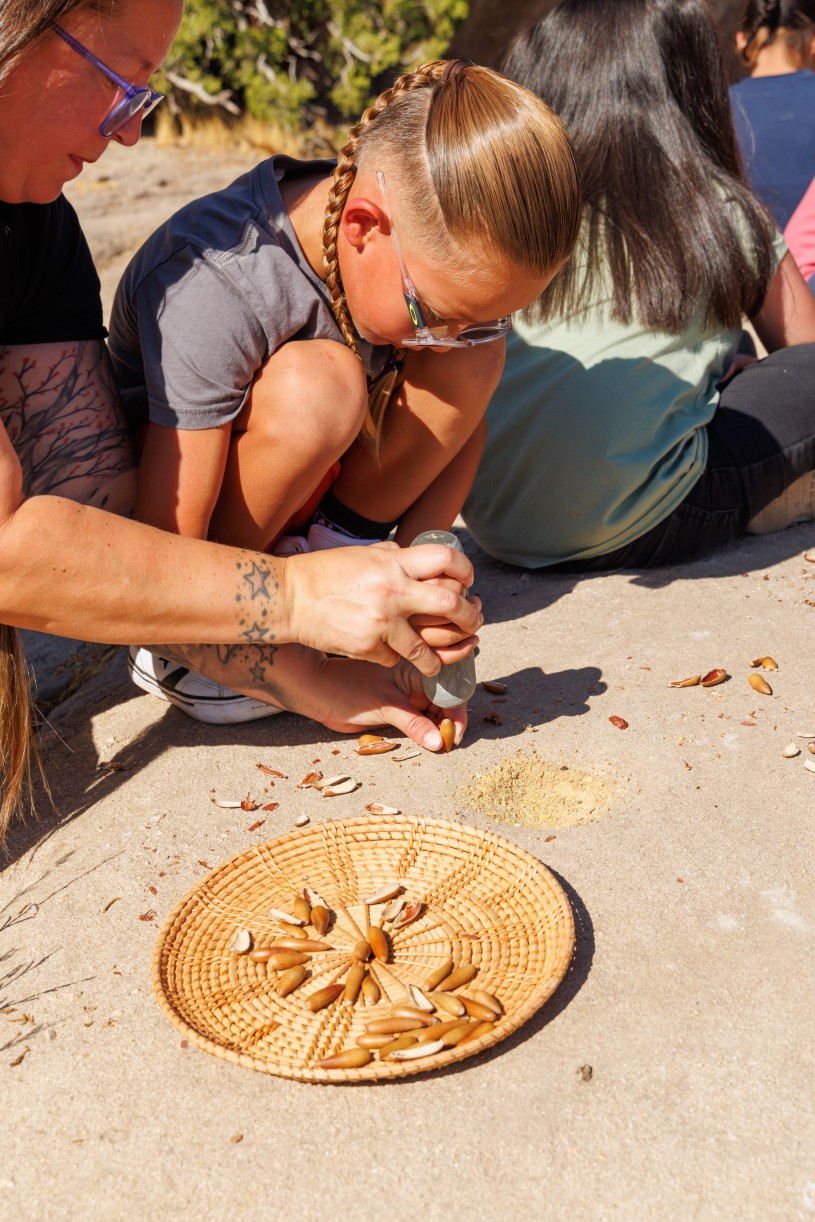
point(211, 295)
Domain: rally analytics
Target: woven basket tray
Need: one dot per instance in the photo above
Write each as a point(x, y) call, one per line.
point(487, 902)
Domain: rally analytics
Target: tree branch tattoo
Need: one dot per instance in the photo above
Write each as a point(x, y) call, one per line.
point(61, 409)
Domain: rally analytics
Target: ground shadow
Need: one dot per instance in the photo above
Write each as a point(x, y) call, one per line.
point(510, 593)
point(537, 699)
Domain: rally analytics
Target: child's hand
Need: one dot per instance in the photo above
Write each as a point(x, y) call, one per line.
point(355, 696)
point(357, 601)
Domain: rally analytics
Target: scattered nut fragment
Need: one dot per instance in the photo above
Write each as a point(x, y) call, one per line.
point(394, 909)
point(378, 808)
point(241, 942)
point(809, 765)
point(384, 893)
point(811, 748)
point(691, 682)
point(804, 734)
point(348, 785)
point(413, 910)
point(769, 663)
point(365, 739)
point(760, 684)
point(495, 688)
point(313, 898)
point(714, 677)
point(226, 805)
point(418, 999)
point(790, 751)
point(301, 821)
point(308, 781)
point(380, 748)
point(619, 722)
point(809, 557)
point(350, 1058)
point(408, 753)
point(494, 719)
point(447, 730)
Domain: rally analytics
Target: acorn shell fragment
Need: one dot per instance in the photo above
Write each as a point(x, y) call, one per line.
point(380, 748)
point(420, 1050)
point(691, 682)
point(385, 893)
point(241, 942)
point(714, 677)
point(278, 914)
point(341, 787)
point(790, 751)
point(378, 808)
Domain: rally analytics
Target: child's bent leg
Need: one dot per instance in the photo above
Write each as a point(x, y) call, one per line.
point(431, 441)
point(304, 410)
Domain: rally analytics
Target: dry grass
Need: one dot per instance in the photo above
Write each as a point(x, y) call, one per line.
point(245, 134)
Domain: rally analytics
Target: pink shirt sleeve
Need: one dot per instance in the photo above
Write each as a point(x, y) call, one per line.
point(800, 233)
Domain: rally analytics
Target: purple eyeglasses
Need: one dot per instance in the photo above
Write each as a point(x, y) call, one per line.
point(138, 99)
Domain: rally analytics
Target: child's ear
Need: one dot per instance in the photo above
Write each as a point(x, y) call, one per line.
point(361, 219)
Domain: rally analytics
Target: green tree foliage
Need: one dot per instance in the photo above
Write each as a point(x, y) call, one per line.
point(288, 63)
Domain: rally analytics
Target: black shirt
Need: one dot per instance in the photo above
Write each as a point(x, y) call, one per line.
point(49, 289)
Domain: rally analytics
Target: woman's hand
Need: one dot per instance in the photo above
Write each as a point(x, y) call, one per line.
point(355, 696)
point(357, 601)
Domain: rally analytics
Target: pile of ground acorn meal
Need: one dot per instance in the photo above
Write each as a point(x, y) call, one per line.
point(526, 789)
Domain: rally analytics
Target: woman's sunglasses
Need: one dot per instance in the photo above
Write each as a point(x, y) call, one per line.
point(436, 337)
point(138, 99)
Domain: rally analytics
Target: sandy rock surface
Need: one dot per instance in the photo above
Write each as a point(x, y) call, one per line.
point(671, 1075)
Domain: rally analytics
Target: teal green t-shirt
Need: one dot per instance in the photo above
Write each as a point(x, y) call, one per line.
point(596, 433)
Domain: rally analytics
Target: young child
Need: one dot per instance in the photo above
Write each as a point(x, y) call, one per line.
point(618, 436)
point(259, 333)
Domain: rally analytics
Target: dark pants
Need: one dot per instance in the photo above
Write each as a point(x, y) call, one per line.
point(761, 439)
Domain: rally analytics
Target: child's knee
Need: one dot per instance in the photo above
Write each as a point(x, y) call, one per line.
point(322, 384)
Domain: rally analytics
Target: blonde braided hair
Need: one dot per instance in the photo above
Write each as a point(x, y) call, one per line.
point(344, 175)
point(491, 174)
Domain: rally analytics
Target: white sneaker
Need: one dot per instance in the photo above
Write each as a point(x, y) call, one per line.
point(321, 538)
point(197, 696)
point(290, 545)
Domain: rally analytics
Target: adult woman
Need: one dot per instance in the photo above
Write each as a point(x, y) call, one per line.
point(73, 74)
point(611, 443)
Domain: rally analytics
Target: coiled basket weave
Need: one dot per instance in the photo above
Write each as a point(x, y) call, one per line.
point(486, 902)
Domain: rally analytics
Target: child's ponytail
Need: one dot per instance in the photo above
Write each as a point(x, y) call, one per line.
point(765, 19)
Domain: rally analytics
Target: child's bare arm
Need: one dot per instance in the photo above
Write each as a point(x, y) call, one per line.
point(180, 477)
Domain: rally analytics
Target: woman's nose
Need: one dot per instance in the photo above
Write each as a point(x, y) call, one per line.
point(131, 132)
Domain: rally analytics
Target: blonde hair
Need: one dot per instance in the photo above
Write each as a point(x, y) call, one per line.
point(487, 162)
point(16, 729)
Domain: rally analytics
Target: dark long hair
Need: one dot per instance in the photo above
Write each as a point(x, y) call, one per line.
point(764, 20)
point(641, 87)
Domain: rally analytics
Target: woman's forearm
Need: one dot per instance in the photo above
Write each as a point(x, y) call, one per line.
point(75, 571)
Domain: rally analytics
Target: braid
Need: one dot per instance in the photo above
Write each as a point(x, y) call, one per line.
point(761, 14)
point(344, 176)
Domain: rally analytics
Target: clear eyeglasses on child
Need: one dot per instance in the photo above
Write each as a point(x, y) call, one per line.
point(438, 336)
